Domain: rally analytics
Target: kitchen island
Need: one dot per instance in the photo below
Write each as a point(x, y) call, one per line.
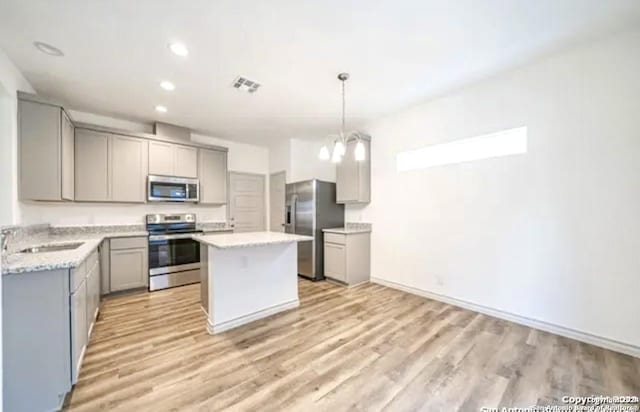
point(247, 276)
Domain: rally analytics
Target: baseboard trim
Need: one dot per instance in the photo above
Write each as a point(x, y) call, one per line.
point(242, 320)
point(600, 341)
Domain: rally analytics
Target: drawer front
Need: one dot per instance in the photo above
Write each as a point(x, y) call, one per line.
point(120, 243)
point(335, 238)
point(335, 261)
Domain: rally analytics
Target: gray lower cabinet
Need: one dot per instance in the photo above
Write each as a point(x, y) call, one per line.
point(109, 167)
point(79, 332)
point(93, 295)
point(105, 267)
point(129, 263)
point(45, 148)
point(36, 347)
point(47, 317)
point(353, 178)
point(213, 176)
point(347, 257)
point(335, 261)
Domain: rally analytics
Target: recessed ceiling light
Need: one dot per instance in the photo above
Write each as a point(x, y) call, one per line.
point(179, 49)
point(161, 109)
point(167, 85)
point(48, 49)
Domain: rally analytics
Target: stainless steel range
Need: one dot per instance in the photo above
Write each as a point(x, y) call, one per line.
point(174, 258)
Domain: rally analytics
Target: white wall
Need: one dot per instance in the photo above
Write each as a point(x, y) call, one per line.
point(305, 164)
point(299, 158)
point(552, 235)
point(280, 157)
point(241, 157)
point(11, 80)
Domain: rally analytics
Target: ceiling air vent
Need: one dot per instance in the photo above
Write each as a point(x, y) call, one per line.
point(245, 84)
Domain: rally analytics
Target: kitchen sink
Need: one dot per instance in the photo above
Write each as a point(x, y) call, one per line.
point(51, 248)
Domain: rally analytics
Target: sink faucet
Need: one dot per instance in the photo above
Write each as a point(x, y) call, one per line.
point(4, 234)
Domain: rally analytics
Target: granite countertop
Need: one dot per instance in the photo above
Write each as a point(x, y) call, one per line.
point(249, 239)
point(90, 236)
point(347, 230)
point(15, 263)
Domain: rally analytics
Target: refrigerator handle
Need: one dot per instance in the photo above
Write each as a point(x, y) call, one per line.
point(294, 212)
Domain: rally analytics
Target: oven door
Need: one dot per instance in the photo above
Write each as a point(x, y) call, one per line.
point(173, 253)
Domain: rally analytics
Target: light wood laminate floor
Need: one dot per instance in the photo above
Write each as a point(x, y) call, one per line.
point(368, 348)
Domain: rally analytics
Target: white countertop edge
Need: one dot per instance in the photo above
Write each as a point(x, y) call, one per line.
point(345, 231)
point(249, 239)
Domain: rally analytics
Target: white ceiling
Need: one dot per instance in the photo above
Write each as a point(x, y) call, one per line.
point(397, 51)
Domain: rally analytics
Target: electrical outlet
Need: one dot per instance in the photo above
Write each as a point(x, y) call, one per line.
point(439, 280)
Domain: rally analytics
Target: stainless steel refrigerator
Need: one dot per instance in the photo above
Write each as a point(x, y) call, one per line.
point(310, 206)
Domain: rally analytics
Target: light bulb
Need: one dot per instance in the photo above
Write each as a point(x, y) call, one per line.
point(339, 147)
point(360, 151)
point(324, 153)
point(336, 157)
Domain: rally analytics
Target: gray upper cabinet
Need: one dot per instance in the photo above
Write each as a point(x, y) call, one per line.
point(45, 152)
point(110, 168)
point(92, 166)
point(353, 179)
point(68, 163)
point(213, 176)
point(128, 168)
point(161, 158)
point(172, 160)
point(186, 161)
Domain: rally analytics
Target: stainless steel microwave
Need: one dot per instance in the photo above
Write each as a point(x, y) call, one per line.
point(173, 189)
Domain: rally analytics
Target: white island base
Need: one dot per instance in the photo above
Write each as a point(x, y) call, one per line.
point(247, 276)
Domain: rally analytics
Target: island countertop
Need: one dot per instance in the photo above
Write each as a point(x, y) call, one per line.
point(249, 239)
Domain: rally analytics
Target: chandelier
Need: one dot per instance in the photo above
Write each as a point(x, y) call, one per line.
point(340, 141)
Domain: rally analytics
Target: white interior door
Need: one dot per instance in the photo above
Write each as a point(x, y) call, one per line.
point(247, 202)
point(276, 201)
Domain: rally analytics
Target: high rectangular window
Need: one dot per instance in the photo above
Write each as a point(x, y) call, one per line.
point(503, 143)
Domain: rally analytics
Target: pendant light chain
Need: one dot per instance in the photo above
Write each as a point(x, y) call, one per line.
point(343, 112)
point(339, 145)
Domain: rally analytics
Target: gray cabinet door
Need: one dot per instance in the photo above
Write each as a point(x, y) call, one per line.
point(91, 166)
point(67, 157)
point(186, 161)
point(36, 345)
point(213, 176)
point(347, 177)
point(78, 328)
point(39, 151)
point(335, 261)
point(93, 296)
point(128, 168)
point(353, 178)
point(105, 263)
point(161, 158)
point(129, 269)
